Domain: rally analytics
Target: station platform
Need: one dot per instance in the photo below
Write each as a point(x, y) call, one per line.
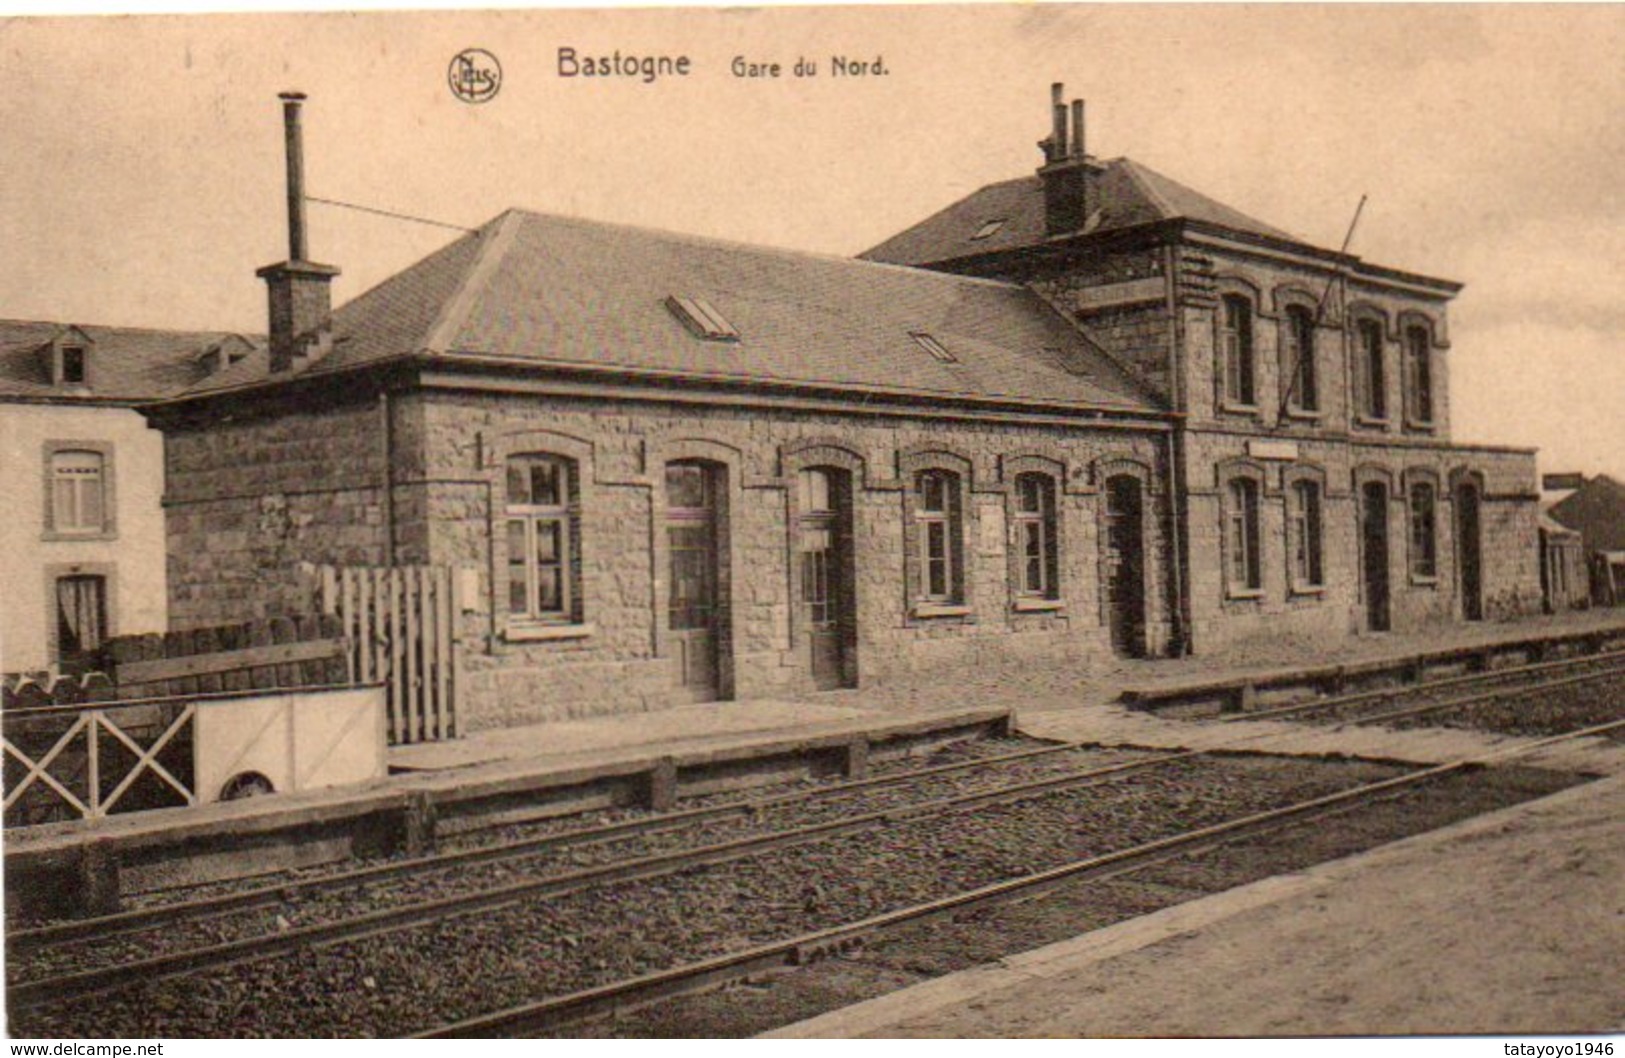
point(1509, 923)
point(1106, 683)
point(568, 743)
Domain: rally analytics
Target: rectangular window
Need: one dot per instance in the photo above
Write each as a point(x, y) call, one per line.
point(1300, 368)
point(73, 365)
point(1373, 379)
point(1238, 350)
point(1306, 538)
point(1424, 544)
point(1418, 376)
point(78, 492)
point(541, 528)
point(1241, 536)
point(937, 350)
point(1035, 536)
point(702, 319)
point(81, 617)
point(936, 518)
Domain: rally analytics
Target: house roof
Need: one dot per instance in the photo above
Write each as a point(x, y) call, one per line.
point(566, 293)
point(1597, 510)
point(129, 363)
point(1130, 194)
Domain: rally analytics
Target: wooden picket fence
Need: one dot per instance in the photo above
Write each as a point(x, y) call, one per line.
point(398, 621)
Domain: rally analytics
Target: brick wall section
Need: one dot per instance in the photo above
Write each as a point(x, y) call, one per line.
point(622, 665)
point(248, 499)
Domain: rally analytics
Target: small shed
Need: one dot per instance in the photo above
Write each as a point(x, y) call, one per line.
point(1563, 580)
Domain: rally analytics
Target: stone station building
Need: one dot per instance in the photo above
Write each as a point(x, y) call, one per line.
point(1050, 424)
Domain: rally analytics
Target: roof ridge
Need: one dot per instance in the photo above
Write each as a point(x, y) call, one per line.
point(777, 251)
point(64, 323)
point(1135, 174)
point(455, 309)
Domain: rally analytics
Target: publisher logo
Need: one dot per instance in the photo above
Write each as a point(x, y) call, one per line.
point(474, 75)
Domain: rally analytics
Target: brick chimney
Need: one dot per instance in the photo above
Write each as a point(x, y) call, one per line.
point(1071, 177)
point(301, 298)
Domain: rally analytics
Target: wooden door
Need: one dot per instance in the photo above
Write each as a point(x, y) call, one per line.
point(824, 558)
point(1125, 565)
point(1469, 562)
point(694, 609)
point(1374, 552)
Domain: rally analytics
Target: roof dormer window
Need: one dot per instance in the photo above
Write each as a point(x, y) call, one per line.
point(75, 369)
point(68, 358)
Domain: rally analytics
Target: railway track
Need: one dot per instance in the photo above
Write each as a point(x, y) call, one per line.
point(1455, 692)
point(26, 991)
point(271, 939)
point(552, 1012)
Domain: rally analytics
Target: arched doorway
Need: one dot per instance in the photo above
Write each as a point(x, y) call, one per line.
point(1374, 555)
point(697, 575)
point(1469, 552)
point(825, 575)
point(1124, 541)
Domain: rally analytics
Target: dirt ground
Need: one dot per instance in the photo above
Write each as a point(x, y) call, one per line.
point(1509, 924)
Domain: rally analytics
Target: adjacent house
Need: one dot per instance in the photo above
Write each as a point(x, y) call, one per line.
point(1082, 414)
point(84, 532)
point(1595, 509)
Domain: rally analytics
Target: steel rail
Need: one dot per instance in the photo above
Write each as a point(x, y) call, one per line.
point(639, 991)
point(275, 894)
point(250, 949)
point(146, 919)
point(1426, 686)
point(143, 919)
point(1484, 698)
point(26, 993)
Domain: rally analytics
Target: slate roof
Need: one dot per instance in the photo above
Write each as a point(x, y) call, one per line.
point(130, 364)
point(562, 292)
point(1597, 510)
point(1130, 194)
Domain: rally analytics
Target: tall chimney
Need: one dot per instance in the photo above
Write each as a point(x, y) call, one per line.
point(294, 138)
point(1057, 94)
point(299, 291)
point(1070, 177)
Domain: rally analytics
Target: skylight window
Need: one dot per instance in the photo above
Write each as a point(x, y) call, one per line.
point(934, 347)
point(989, 229)
point(702, 319)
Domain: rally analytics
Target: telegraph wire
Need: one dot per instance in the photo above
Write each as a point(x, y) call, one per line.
point(391, 214)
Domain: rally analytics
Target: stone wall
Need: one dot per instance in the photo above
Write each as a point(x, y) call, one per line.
point(617, 659)
point(1509, 544)
point(249, 499)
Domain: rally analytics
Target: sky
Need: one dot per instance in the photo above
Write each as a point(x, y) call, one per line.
point(141, 170)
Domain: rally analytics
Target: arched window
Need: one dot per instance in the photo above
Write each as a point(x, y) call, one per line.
point(1424, 531)
point(1299, 372)
point(939, 538)
point(1037, 574)
point(78, 492)
point(1370, 376)
point(1236, 339)
point(543, 540)
point(1304, 525)
point(1418, 376)
point(1241, 536)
